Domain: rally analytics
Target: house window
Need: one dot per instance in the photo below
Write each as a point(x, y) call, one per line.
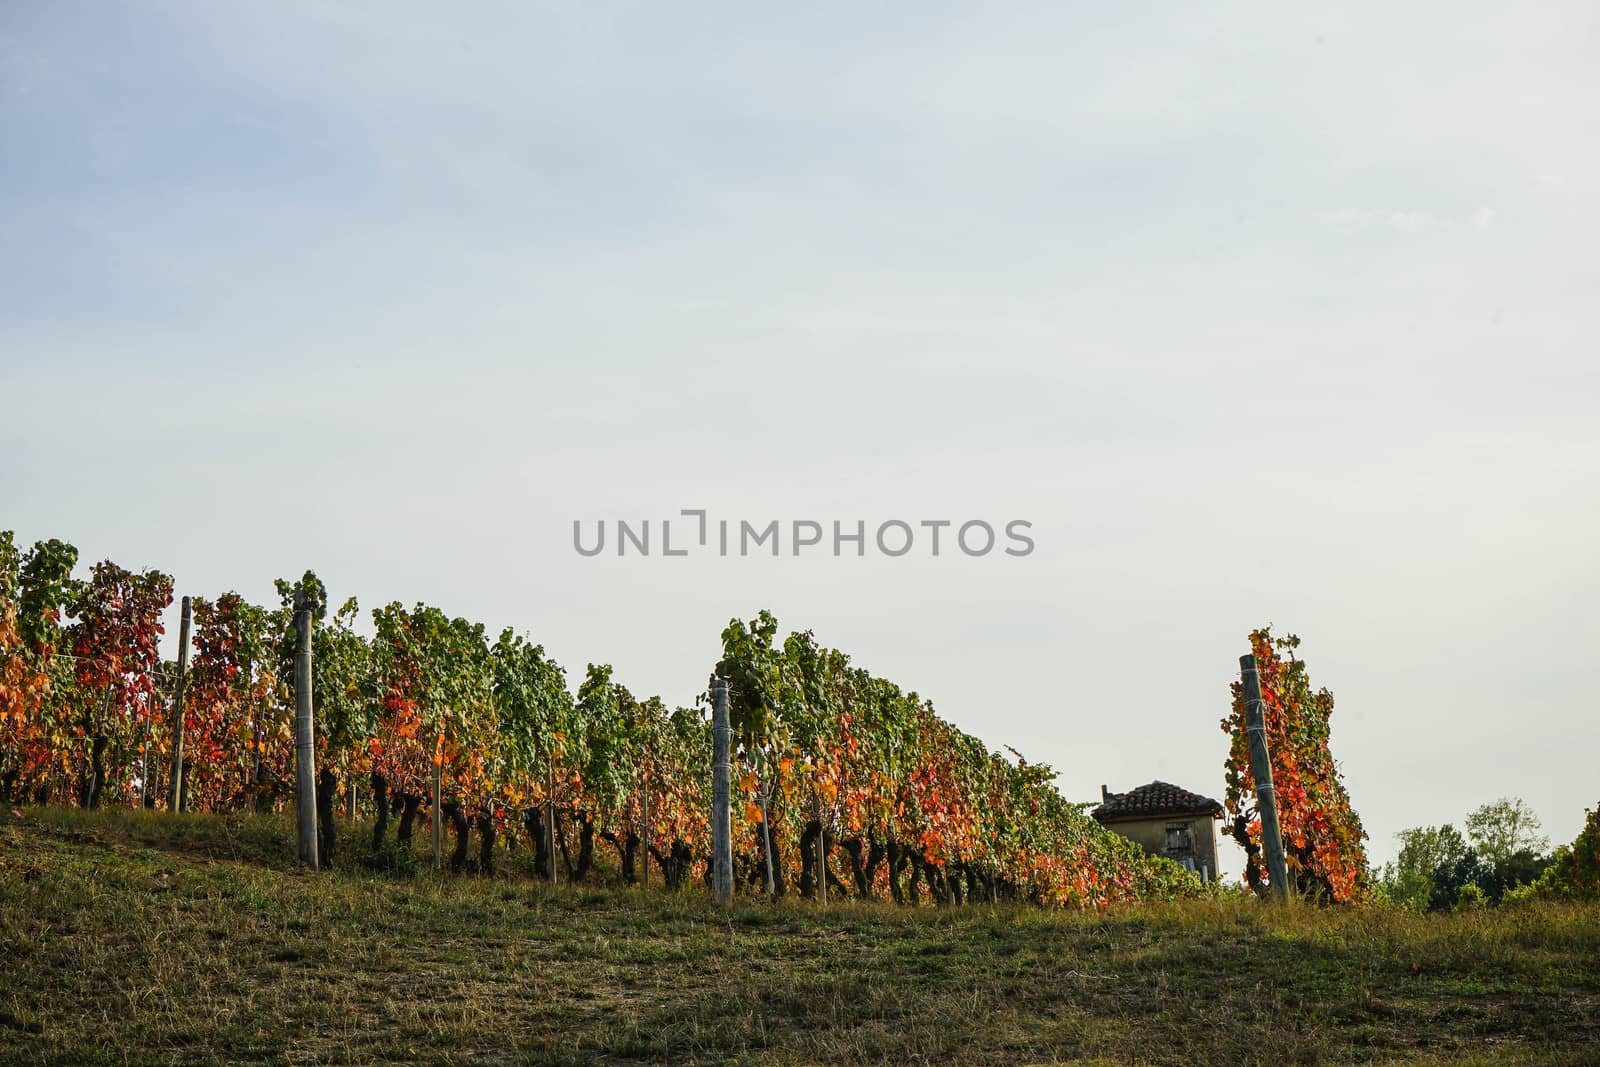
point(1180, 838)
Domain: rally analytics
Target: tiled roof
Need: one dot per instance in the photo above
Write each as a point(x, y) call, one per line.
point(1153, 801)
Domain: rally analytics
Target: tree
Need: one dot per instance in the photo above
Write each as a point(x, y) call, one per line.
point(1473, 880)
point(1439, 870)
point(1574, 869)
point(1501, 829)
point(1409, 881)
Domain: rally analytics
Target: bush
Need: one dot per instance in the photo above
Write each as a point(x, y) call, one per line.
point(1574, 871)
point(397, 859)
point(1519, 896)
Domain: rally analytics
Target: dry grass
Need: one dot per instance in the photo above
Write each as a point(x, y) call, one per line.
point(129, 937)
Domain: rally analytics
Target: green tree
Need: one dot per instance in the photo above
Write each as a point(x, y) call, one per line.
point(1575, 869)
point(1438, 867)
point(1424, 850)
point(1503, 828)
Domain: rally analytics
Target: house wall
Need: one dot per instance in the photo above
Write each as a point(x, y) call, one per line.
point(1151, 835)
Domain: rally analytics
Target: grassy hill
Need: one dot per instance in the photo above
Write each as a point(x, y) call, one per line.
point(149, 938)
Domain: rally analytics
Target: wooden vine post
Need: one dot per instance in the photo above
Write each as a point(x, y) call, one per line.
point(1261, 769)
point(175, 775)
point(305, 751)
point(766, 838)
point(550, 814)
point(438, 824)
point(646, 829)
point(822, 856)
point(721, 826)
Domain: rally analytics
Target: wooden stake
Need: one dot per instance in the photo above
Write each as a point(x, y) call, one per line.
point(144, 761)
point(438, 824)
point(647, 831)
point(822, 860)
point(1261, 768)
point(721, 815)
point(305, 749)
point(175, 798)
point(766, 838)
point(550, 816)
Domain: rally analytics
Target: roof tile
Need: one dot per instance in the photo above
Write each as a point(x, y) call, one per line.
point(1153, 801)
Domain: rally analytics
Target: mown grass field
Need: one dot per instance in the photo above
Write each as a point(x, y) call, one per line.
point(130, 937)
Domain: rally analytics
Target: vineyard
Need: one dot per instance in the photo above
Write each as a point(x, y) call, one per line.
point(153, 909)
point(843, 783)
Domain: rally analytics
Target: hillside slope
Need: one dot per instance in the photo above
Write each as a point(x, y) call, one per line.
point(146, 938)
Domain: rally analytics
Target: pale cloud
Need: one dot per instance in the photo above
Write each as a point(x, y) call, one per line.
point(1348, 218)
point(1404, 221)
point(1410, 221)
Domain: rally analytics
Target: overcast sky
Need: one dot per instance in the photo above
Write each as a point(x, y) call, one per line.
point(1265, 316)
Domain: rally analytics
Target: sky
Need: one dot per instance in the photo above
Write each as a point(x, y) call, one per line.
point(1261, 316)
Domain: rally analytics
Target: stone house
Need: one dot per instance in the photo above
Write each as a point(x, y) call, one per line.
point(1166, 821)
